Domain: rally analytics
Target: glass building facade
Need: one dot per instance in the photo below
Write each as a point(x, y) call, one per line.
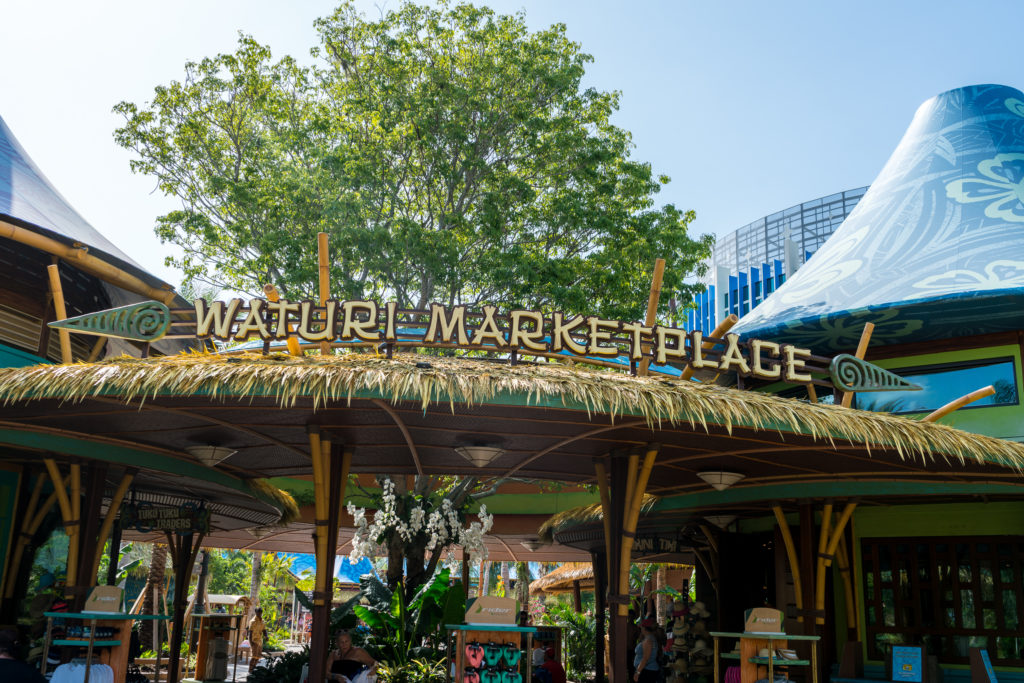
point(747, 265)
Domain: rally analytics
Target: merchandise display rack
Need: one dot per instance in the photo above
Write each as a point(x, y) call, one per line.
point(494, 635)
point(114, 651)
point(752, 643)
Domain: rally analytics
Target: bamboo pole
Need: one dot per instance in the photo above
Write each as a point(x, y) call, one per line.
point(74, 528)
point(720, 331)
point(26, 519)
point(844, 572)
point(320, 505)
point(633, 468)
point(606, 510)
point(825, 561)
point(959, 403)
point(823, 539)
point(330, 544)
point(108, 521)
point(794, 562)
point(58, 486)
point(862, 349)
point(84, 261)
point(652, 307)
point(97, 348)
point(273, 296)
point(19, 548)
point(60, 310)
point(325, 282)
point(346, 466)
point(630, 522)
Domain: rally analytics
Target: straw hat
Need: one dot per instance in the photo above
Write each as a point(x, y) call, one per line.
point(701, 647)
point(680, 665)
point(701, 610)
point(700, 628)
point(679, 625)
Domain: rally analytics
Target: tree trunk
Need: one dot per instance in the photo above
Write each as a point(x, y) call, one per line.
point(149, 636)
point(523, 585)
point(254, 585)
point(661, 582)
point(505, 580)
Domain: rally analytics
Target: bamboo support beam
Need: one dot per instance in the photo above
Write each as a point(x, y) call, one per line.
point(630, 520)
point(632, 470)
point(74, 525)
point(606, 510)
point(959, 403)
point(825, 558)
point(325, 281)
point(720, 331)
point(862, 349)
point(108, 521)
point(97, 349)
point(26, 519)
point(80, 258)
point(320, 505)
point(652, 306)
point(794, 562)
point(819, 574)
point(273, 296)
point(26, 535)
point(60, 310)
point(346, 467)
point(843, 563)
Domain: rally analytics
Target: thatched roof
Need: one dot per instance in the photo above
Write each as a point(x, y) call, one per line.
point(561, 578)
point(580, 515)
point(663, 403)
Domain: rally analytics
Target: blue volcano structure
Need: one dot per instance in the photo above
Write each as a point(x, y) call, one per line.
point(935, 249)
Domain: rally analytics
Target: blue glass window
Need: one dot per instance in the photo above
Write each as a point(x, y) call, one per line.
point(944, 383)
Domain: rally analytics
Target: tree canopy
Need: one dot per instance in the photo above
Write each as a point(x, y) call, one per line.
point(451, 154)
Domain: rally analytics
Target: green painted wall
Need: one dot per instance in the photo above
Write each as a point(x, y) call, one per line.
point(15, 358)
point(1006, 422)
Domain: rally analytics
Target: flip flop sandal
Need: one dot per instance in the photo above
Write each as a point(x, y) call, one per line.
point(492, 653)
point(512, 654)
point(510, 676)
point(490, 676)
point(471, 676)
point(474, 655)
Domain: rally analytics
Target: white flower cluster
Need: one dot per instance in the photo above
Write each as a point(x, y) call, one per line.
point(442, 527)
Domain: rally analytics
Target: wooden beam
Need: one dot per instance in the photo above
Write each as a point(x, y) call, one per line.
point(862, 349)
point(606, 507)
point(652, 308)
point(959, 403)
point(791, 555)
point(720, 331)
point(60, 311)
point(108, 521)
point(632, 516)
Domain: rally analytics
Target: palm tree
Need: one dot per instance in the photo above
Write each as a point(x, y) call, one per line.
point(152, 593)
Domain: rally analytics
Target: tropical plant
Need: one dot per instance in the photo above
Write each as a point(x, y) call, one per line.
point(283, 669)
point(229, 572)
point(415, 671)
point(401, 630)
point(579, 634)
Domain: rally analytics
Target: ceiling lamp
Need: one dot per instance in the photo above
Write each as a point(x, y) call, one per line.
point(211, 456)
point(720, 480)
point(531, 544)
point(480, 455)
point(721, 521)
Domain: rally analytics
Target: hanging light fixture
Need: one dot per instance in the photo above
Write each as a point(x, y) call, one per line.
point(720, 480)
point(211, 456)
point(531, 544)
point(721, 521)
point(479, 454)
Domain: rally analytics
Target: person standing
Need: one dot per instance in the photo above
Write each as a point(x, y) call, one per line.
point(553, 666)
point(257, 629)
point(13, 670)
point(645, 656)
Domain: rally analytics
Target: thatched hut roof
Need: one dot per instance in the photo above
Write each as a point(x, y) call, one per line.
point(561, 578)
point(408, 414)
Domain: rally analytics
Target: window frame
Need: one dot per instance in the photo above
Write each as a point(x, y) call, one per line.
point(937, 368)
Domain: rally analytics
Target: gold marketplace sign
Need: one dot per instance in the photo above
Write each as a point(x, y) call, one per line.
point(521, 331)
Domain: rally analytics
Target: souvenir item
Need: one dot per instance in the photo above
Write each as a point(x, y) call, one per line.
point(511, 654)
point(490, 676)
point(471, 676)
point(492, 653)
point(511, 676)
point(474, 655)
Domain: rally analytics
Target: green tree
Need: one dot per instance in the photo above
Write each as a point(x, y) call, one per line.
point(230, 572)
point(451, 154)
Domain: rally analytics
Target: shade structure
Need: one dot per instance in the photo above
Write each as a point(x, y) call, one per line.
point(561, 579)
point(933, 250)
point(405, 416)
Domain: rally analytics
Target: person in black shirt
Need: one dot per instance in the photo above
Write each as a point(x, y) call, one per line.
point(346, 662)
point(11, 669)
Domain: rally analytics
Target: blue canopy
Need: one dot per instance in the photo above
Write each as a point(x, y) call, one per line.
point(934, 248)
point(344, 570)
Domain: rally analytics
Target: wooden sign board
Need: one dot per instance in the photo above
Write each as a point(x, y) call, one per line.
point(492, 610)
point(104, 600)
point(764, 620)
point(186, 519)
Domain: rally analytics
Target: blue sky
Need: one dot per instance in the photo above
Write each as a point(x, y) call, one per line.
point(749, 107)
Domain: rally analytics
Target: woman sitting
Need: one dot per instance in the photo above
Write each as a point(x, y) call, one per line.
point(346, 662)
